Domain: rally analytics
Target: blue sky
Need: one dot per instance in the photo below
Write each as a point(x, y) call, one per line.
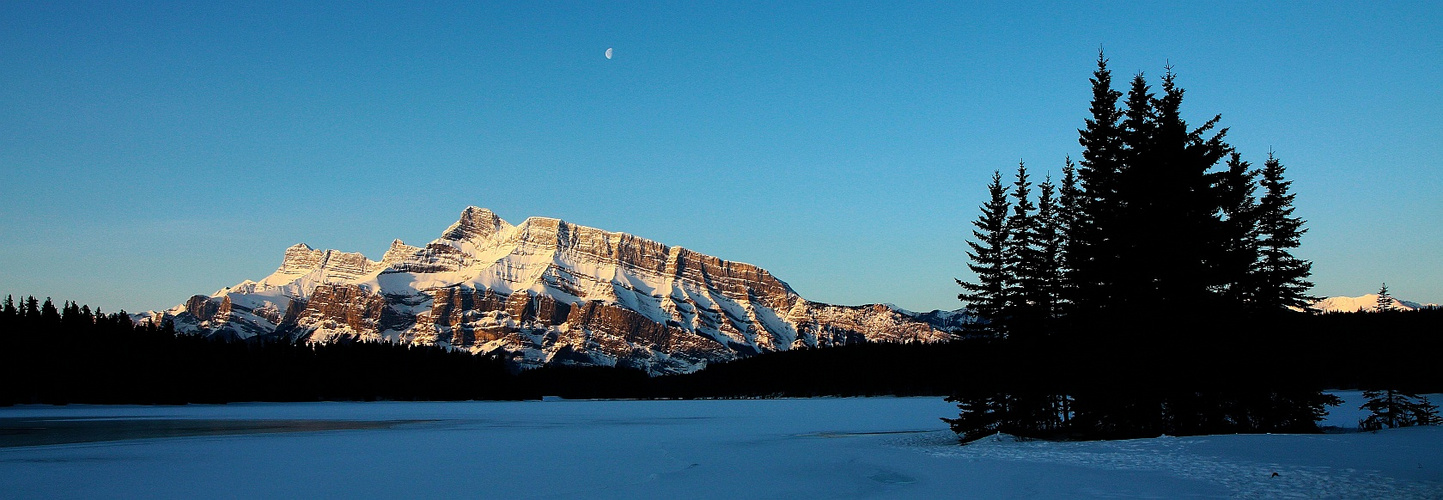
point(151, 151)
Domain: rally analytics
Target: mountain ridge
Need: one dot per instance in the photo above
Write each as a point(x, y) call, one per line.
point(1367, 302)
point(546, 291)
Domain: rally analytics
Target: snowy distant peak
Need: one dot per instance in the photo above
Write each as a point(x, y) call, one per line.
point(300, 259)
point(1367, 302)
point(475, 224)
point(397, 252)
point(246, 286)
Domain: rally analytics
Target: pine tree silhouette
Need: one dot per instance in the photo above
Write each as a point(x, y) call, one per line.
point(1385, 300)
point(48, 313)
point(1282, 278)
point(1238, 204)
point(1023, 258)
point(1389, 409)
point(1049, 227)
point(32, 308)
point(987, 256)
point(1069, 217)
point(1091, 260)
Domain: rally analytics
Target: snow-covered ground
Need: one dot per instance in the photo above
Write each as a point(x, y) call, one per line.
point(864, 447)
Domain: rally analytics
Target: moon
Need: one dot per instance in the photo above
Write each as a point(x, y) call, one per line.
point(608, 52)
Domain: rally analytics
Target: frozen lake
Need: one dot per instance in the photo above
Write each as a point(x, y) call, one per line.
point(853, 447)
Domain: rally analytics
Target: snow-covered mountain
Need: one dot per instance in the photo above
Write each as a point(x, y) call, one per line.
point(546, 291)
point(1367, 302)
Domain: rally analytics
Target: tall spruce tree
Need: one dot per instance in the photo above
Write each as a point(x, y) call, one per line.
point(32, 308)
point(1090, 261)
point(1236, 187)
point(1129, 261)
point(1069, 198)
point(1282, 278)
point(988, 295)
point(1167, 230)
point(48, 313)
point(1049, 249)
point(1385, 300)
point(1202, 236)
point(1024, 260)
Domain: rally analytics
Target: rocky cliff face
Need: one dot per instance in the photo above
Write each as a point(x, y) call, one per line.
point(546, 291)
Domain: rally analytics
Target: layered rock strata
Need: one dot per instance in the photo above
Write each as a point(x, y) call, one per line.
point(546, 291)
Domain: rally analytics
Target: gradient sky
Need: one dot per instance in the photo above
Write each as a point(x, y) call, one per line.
point(150, 151)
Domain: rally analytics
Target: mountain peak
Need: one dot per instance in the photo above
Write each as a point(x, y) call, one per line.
point(299, 258)
point(475, 223)
point(398, 252)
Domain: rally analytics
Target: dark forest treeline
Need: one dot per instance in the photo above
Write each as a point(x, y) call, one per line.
point(1341, 350)
point(70, 355)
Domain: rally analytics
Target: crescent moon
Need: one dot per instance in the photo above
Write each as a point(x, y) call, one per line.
point(608, 53)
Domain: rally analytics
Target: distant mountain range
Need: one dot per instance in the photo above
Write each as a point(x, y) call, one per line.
point(1367, 302)
point(546, 291)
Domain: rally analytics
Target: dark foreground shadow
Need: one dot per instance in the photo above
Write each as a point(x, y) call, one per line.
point(16, 432)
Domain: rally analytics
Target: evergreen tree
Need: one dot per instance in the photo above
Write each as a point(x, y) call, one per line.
point(1158, 225)
point(122, 320)
point(7, 321)
point(1389, 409)
point(1068, 214)
point(32, 308)
point(48, 313)
point(1239, 209)
point(1282, 278)
point(1385, 300)
point(1148, 221)
point(1092, 213)
point(8, 315)
point(1023, 260)
point(987, 255)
point(1169, 233)
point(1202, 236)
point(70, 315)
point(978, 416)
point(1049, 244)
point(1128, 265)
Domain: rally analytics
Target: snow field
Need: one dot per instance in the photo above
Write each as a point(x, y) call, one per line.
point(791, 448)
